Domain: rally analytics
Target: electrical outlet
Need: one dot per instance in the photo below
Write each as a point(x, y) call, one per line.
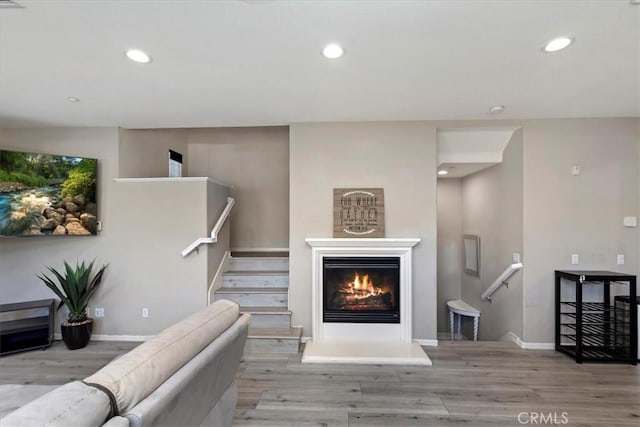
point(575, 259)
point(620, 259)
point(98, 312)
point(516, 257)
point(99, 225)
point(145, 312)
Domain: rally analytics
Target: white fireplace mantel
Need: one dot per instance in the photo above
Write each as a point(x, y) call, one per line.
point(382, 242)
point(363, 342)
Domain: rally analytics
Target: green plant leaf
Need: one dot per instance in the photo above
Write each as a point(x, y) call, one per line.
point(75, 287)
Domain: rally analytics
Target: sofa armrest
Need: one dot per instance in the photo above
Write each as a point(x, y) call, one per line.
point(117, 422)
point(73, 404)
point(187, 397)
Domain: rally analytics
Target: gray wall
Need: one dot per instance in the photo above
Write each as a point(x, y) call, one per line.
point(449, 246)
point(492, 208)
point(565, 214)
point(399, 157)
point(145, 226)
point(144, 153)
point(22, 258)
point(160, 219)
point(255, 163)
point(562, 214)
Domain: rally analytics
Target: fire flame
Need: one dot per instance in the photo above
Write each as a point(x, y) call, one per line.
point(362, 287)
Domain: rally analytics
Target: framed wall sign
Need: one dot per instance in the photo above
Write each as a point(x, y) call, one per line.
point(358, 212)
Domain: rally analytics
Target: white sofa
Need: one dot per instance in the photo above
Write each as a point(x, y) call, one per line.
point(184, 376)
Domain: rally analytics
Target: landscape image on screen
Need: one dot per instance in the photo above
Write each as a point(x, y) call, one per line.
point(43, 194)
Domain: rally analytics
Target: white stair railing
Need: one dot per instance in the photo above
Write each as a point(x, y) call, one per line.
point(501, 280)
point(214, 232)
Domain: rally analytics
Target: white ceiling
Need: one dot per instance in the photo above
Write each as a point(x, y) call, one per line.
point(247, 63)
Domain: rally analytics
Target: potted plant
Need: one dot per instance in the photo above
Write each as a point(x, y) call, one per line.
point(75, 288)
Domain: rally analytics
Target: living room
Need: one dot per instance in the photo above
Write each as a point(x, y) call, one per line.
point(283, 162)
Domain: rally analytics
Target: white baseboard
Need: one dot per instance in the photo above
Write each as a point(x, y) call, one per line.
point(511, 337)
point(105, 337)
point(538, 346)
point(428, 343)
point(259, 249)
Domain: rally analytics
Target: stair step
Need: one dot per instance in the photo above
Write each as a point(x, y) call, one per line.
point(273, 340)
point(268, 317)
point(248, 297)
point(259, 263)
point(255, 279)
point(259, 254)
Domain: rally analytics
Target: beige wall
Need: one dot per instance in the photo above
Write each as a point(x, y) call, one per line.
point(22, 258)
point(399, 157)
point(449, 246)
point(565, 214)
point(158, 220)
point(255, 163)
point(145, 226)
point(144, 153)
point(562, 214)
point(492, 208)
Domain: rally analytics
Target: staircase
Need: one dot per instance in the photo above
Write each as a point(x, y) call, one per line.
point(259, 283)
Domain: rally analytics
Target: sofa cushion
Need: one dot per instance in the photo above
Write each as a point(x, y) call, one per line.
point(136, 374)
point(73, 404)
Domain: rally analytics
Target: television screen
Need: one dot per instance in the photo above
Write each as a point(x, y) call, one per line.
point(44, 194)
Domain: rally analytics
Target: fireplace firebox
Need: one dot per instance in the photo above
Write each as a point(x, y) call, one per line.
point(361, 289)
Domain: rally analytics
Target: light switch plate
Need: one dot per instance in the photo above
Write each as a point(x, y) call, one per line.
point(620, 259)
point(575, 259)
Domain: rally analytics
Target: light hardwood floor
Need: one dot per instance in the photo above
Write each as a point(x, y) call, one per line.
point(470, 383)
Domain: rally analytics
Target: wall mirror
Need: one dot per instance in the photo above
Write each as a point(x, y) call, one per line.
point(472, 254)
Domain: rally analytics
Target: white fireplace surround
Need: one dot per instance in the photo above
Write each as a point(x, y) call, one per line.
point(363, 342)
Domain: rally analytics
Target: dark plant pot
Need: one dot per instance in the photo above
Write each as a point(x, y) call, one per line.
point(76, 336)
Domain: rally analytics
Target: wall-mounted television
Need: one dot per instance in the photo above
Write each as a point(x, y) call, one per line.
point(46, 194)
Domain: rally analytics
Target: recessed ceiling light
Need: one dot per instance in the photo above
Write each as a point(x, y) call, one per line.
point(73, 99)
point(496, 109)
point(443, 172)
point(138, 55)
point(333, 51)
point(558, 43)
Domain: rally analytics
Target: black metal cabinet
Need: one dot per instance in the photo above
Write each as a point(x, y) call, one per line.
point(595, 331)
point(32, 330)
